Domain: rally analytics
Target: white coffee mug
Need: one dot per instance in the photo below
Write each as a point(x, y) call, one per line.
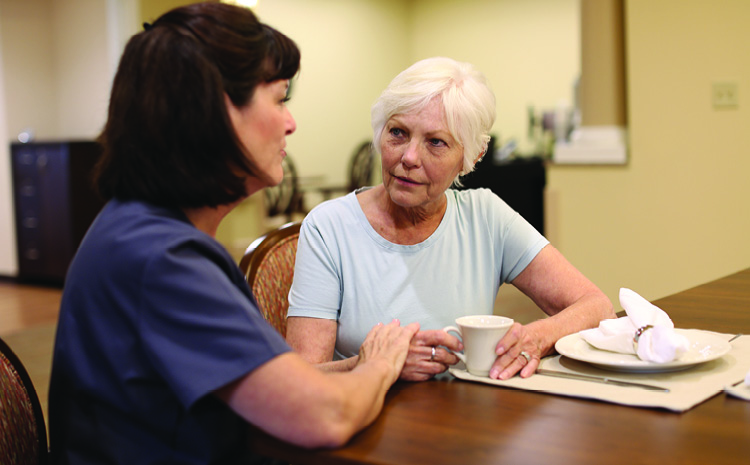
point(480, 335)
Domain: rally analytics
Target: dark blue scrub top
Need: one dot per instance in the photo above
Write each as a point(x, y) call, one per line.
point(155, 315)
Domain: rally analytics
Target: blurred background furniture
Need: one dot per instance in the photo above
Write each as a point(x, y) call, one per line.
point(55, 204)
point(361, 166)
point(268, 266)
point(520, 182)
point(23, 434)
point(285, 199)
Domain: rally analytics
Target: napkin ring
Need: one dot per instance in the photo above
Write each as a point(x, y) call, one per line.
point(638, 333)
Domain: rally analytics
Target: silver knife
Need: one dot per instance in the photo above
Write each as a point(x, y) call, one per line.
point(598, 379)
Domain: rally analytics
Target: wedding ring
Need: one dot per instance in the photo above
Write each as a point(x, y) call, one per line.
point(432, 357)
point(526, 356)
point(637, 336)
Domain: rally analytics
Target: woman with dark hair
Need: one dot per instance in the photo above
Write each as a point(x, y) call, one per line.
point(161, 354)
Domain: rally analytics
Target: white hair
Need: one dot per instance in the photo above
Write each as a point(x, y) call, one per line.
point(468, 103)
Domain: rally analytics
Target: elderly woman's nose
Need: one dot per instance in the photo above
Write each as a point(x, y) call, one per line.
point(411, 156)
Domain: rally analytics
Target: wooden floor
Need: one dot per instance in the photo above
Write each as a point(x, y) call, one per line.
point(24, 306)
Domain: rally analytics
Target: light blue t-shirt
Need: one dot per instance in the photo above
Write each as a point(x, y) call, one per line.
point(346, 271)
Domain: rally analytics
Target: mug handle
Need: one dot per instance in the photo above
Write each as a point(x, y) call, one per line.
point(460, 356)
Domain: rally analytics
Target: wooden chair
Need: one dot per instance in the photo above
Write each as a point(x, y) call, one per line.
point(268, 266)
point(23, 433)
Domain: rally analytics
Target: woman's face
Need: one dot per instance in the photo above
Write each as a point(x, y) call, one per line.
point(262, 126)
point(420, 157)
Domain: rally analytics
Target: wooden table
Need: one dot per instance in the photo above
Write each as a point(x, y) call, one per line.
point(455, 422)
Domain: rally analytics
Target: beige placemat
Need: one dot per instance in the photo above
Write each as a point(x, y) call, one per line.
point(687, 388)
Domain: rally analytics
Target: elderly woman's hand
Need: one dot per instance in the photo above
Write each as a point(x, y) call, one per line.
point(520, 349)
point(388, 342)
point(426, 358)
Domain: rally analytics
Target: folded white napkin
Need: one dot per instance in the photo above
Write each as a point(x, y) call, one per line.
point(659, 344)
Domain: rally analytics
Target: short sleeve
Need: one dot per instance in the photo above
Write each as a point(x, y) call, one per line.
point(199, 327)
point(519, 242)
point(316, 289)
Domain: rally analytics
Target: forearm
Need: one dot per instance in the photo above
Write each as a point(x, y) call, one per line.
point(293, 400)
point(338, 365)
point(364, 389)
point(381, 358)
point(314, 339)
point(584, 313)
point(350, 402)
point(310, 409)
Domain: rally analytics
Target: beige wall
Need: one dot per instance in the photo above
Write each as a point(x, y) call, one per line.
point(350, 51)
point(57, 75)
point(529, 51)
point(602, 87)
point(82, 67)
point(56, 78)
point(677, 215)
point(673, 217)
point(8, 266)
point(29, 65)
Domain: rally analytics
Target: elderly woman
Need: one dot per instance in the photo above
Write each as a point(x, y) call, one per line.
point(414, 249)
point(161, 354)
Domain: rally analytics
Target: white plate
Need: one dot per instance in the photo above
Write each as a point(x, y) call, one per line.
point(704, 347)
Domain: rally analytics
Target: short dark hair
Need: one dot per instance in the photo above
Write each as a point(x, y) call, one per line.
point(168, 138)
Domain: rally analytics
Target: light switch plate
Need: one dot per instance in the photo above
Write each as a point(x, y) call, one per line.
point(724, 94)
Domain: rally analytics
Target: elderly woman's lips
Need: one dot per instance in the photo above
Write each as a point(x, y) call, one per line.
point(406, 180)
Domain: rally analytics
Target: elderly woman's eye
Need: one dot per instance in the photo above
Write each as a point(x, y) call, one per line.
point(437, 142)
point(395, 132)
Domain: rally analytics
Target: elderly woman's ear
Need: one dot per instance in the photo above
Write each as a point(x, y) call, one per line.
point(478, 159)
point(466, 171)
point(480, 156)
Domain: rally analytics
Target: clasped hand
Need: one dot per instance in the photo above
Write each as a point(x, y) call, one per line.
point(388, 342)
point(422, 363)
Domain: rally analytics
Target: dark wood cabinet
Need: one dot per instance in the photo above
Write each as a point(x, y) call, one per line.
point(55, 204)
point(520, 182)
